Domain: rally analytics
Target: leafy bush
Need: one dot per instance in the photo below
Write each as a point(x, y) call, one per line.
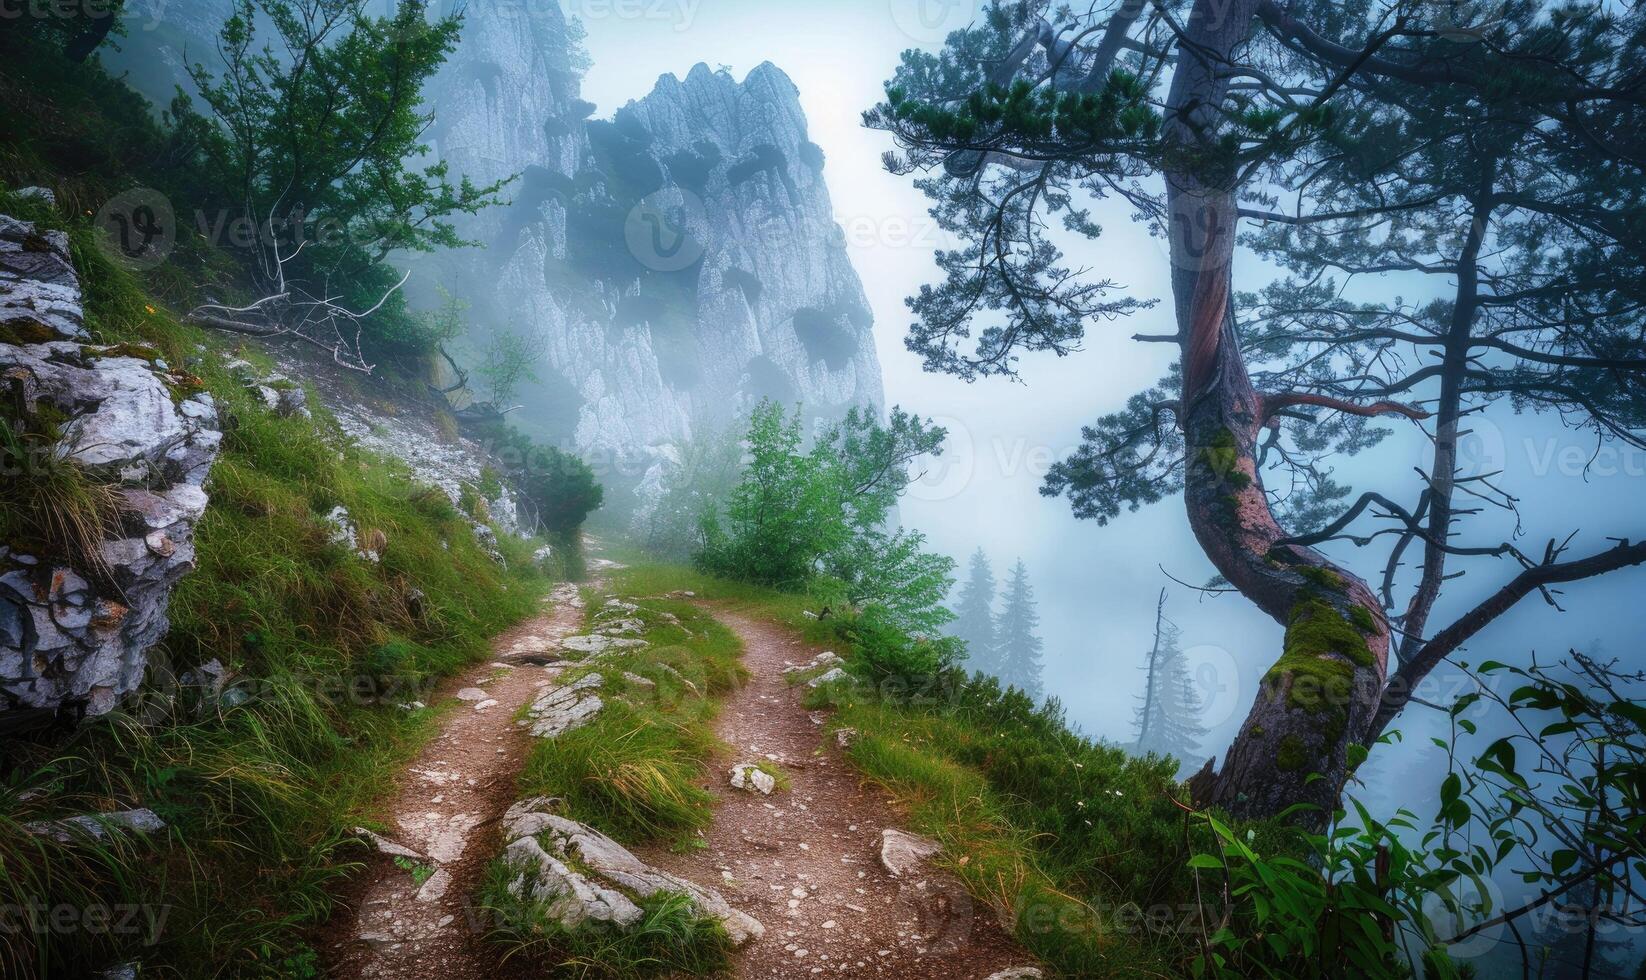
point(803, 516)
point(1558, 803)
point(888, 651)
point(558, 489)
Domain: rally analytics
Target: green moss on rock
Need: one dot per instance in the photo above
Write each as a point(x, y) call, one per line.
point(1292, 754)
point(1363, 619)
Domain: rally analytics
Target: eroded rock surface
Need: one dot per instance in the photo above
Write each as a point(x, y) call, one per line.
point(723, 193)
point(561, 708)
point(580, 874)
point(75, 629)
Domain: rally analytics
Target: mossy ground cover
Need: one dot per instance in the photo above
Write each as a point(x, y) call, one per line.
point(258, 788)
point(1075, 844)
point(635, 772)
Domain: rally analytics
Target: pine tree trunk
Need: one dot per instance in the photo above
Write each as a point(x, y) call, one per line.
point(1323, 690)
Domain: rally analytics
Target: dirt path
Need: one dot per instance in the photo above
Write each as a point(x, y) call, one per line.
point(806, 862)
point(406, 926)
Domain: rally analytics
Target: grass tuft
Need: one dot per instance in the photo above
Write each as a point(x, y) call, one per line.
point(671, 938)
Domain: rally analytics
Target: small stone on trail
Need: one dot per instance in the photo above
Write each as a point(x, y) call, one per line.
point(435, 888)
point(387, 846)
point(472, 694)
point(902, 852)
point(748, 777)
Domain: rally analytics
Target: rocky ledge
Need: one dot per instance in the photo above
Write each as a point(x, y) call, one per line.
point(578, 874)
point(76, 632)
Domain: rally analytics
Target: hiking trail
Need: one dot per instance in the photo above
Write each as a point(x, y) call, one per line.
point(409, 916)
point(806, 861)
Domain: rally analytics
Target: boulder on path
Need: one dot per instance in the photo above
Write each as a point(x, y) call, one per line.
point(579, 874)
point(902, 853)
point(1017, 973)
point(828, 658)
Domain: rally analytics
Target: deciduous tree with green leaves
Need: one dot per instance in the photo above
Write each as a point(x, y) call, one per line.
point(800, 516)
point(319, 125)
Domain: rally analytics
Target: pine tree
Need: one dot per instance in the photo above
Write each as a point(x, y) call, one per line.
point(1019, 647)
point(974, 616)
point(1168, 715)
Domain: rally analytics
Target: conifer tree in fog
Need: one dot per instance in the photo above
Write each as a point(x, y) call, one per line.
point(974, 616)
point(1168, 712)
point(1015, 635)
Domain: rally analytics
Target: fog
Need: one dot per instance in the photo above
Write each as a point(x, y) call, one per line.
point(1097, 585)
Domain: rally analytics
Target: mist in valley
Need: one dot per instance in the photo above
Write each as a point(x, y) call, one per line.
point(1256, 385)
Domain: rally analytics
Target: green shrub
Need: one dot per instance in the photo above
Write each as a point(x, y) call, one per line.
point(801, 519)
point(887, 651)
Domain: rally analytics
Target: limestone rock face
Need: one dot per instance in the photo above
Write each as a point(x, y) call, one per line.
point(679, 261)
point(580, 874)
point(76, 630)
point(39, 292)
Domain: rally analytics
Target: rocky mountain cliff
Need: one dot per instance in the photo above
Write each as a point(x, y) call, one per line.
point(675, 263)
point(665, 268)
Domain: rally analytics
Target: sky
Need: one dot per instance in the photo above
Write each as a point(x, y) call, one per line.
point(1097, 585)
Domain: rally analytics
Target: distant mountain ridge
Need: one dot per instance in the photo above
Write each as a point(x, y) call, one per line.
point(681, 259)
point(676, 262)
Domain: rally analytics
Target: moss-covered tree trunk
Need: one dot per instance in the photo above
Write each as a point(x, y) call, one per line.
point(1322, 691)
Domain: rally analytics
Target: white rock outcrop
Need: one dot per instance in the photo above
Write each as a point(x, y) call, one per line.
point(828, 677)
point(828, 658)
point(561, 708)
point(98, 826)
point(579, 874)
point(76, 630)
